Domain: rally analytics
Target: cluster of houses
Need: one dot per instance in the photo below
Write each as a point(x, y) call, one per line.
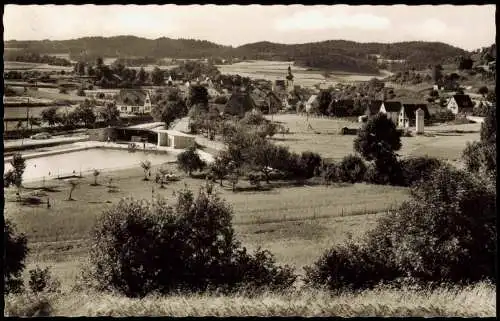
point(283, 95)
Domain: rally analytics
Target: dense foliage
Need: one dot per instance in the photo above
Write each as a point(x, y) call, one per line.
point(332, 54)
point(140, 247)
point(15, 251)
point(446, 233)
point(190, 161)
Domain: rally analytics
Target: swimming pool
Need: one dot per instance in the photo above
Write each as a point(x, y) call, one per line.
point(85, 161)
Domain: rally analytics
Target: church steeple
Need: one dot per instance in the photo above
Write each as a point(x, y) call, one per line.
point(289, 76)
point(289, 80)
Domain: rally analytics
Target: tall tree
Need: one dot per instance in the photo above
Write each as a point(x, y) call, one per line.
point(198, 95)
point(324, 100)
point(49, 115)
point(109, 113)
point(157, 77)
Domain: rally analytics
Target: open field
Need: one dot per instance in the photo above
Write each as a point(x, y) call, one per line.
point(296, 223)
point(442, 141)
point(53, 94)
point(24, 66)
point(473, 301)
point(273, 70)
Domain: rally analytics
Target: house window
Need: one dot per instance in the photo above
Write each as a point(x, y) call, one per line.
point(135, 109)
point(124, 108)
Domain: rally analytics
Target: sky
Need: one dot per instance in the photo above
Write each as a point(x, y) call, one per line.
point(467, 27)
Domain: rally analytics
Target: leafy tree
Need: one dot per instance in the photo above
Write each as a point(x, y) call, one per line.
point(109, 113)
point(146, 167)
point(377, 138)
point(483, 91)
point(351, 169)
point(324, 100)
point(142, 76)
point(447, 231)
point(15, 175)
point(85, 112)
point(80, 92)
point(480, 157)
point(96, 173)
point(168, 111)
point(49, 115)
point(140, 247)
point(377, 141)
point(417, 170)
point(157, 77)
point(219, 168)
point(15, 251)
point(198, 95)
point(190, 161)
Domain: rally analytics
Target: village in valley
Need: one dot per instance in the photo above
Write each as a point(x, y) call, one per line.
point(135, 167)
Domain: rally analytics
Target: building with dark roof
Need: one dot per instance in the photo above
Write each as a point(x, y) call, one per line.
point(459, 104)
point(239, 103)
point(407, 114)
point(391, 109)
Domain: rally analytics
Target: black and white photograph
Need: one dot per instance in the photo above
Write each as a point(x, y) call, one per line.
point(249, 160)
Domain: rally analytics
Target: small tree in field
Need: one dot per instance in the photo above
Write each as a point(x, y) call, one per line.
point(15, 251)
point(219, 168)
point(73, 184)
point(146, 167)
point(95, 173)
point(15, 175)
point(189, 161)
point(377, 141)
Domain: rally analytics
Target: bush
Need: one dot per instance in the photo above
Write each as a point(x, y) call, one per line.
point(190, 161)
point(418, 169)
point(14, 255)
point(141, 247)
point(446, 232)
point(349, 267)
point(328, 172)
point(41, 280)
point(351, 169)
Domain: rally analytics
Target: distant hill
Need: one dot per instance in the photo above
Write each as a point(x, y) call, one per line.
point(339, 55)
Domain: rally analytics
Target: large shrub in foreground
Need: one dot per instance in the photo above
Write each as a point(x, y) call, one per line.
point(141, 247)
point(445, 233)
point(15, 251)
point(418, 169)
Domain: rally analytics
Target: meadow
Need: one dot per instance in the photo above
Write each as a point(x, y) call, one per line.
point(473, 301)
point(24, 66)
point(441, 141)
point(297, 223)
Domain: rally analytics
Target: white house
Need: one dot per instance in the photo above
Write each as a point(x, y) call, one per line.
point(392, 109)
point(174, 138)
point(459, 104)
point(134, 101)
point(312, 104)
point(407, 114)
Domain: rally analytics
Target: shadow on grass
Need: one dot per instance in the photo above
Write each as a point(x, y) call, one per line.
point(50, 189)
point(199, 175)
point(286, 139)
point(93, 184)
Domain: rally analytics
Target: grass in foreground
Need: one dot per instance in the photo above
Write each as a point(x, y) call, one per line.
point(478, 300)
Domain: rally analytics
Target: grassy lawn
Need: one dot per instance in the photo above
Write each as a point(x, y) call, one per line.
point(296, 223)
point(444, 141)
point(478, 300)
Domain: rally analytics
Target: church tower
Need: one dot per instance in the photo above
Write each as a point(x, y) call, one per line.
point(289, 80)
